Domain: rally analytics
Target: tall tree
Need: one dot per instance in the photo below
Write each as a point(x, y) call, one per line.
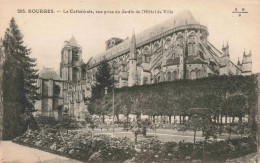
point(19, 84)
point(104, 79)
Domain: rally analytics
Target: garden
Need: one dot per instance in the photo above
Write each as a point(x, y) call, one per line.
point(88, 148)
point(201, 135)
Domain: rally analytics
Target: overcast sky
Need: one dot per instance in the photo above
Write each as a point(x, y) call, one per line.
point(45, 33)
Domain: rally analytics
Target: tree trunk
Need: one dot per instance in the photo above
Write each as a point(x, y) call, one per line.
point(153, 118)
point(117, 117)
point(180, 119)
point(233, 119)
point(226, 119)
point(170, 119)
point(194, 140)
point(240, 119)
point(174, 117)
point(135, 138)
point(103, 118)
point(221, 117)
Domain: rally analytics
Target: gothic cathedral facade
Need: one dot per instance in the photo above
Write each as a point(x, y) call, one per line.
point(175, 49)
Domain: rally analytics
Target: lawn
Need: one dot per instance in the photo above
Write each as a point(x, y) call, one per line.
point(164, 135)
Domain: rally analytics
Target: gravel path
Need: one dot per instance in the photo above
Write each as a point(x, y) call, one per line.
point(11, 152)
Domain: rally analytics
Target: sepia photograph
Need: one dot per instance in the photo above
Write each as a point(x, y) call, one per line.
point(130, 81)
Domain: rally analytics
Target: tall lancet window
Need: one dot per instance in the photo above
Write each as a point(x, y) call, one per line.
point(169, 76)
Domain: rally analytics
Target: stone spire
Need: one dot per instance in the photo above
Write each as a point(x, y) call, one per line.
point(73, 42)
point(227, 49)
point(132, 75)
point(238, 61)
point(133, 54)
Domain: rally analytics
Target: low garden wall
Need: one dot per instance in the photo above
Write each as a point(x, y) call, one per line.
point(84, 147)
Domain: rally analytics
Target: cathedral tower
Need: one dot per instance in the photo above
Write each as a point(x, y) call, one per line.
point(132, 63)
point(71, 59)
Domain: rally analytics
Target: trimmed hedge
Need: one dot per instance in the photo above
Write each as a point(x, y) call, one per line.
point(176, 97)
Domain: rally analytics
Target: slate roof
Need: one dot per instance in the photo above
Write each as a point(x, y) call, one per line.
point(49, 73)
point(190, 60)
point(175, 61)
point(180, 19)
point(158, 65)
point(194, 60)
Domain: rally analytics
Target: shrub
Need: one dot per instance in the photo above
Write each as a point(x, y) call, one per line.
point(110, 149)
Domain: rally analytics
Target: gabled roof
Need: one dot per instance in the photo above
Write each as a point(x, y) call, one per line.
point(175, 61)
point(195, 60)
point(178, 20)
point(190, 60)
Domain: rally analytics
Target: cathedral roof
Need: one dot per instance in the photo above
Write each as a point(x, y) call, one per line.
point(178, 20)
point(73, 42)
point(175, 61)
point(49, 73)
point(158, 65)
point(194, 60)
point(190, 60)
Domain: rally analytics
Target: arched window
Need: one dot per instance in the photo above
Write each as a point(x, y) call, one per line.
point(169, 76)
point(123, 67)
point(193, 74)
point(75, 74)
point(83, 73)
point(155, 80)
point(56, 90)
point(193, 48)
point(175, 75)
point(167, 43)
point(156, 47)
point(187, 75)
point(203, 39)
point(178, 50)
point(45, 88)
point(159, 79)
point(145, 80)
point(199, 74)
point(189, 49)
point(147, 58)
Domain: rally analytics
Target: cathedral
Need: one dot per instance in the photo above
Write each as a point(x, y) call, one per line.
point(177, 48)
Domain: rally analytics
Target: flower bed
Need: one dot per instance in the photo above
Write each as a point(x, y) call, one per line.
point(84, 147)
point(79, 146)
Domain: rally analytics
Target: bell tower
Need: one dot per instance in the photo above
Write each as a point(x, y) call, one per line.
point(71, 59)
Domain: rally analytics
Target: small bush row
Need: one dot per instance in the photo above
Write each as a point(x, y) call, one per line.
point(85, 147)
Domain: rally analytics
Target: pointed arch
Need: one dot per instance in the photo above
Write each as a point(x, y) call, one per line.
point(169, 76)
point(168, 42)
point(193, 74)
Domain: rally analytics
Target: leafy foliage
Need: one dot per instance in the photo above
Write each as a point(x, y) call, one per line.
point(177, 97)
point(103, 79)
point(19, 84)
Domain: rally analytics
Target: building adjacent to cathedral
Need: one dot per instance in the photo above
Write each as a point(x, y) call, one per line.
point(177, 48)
